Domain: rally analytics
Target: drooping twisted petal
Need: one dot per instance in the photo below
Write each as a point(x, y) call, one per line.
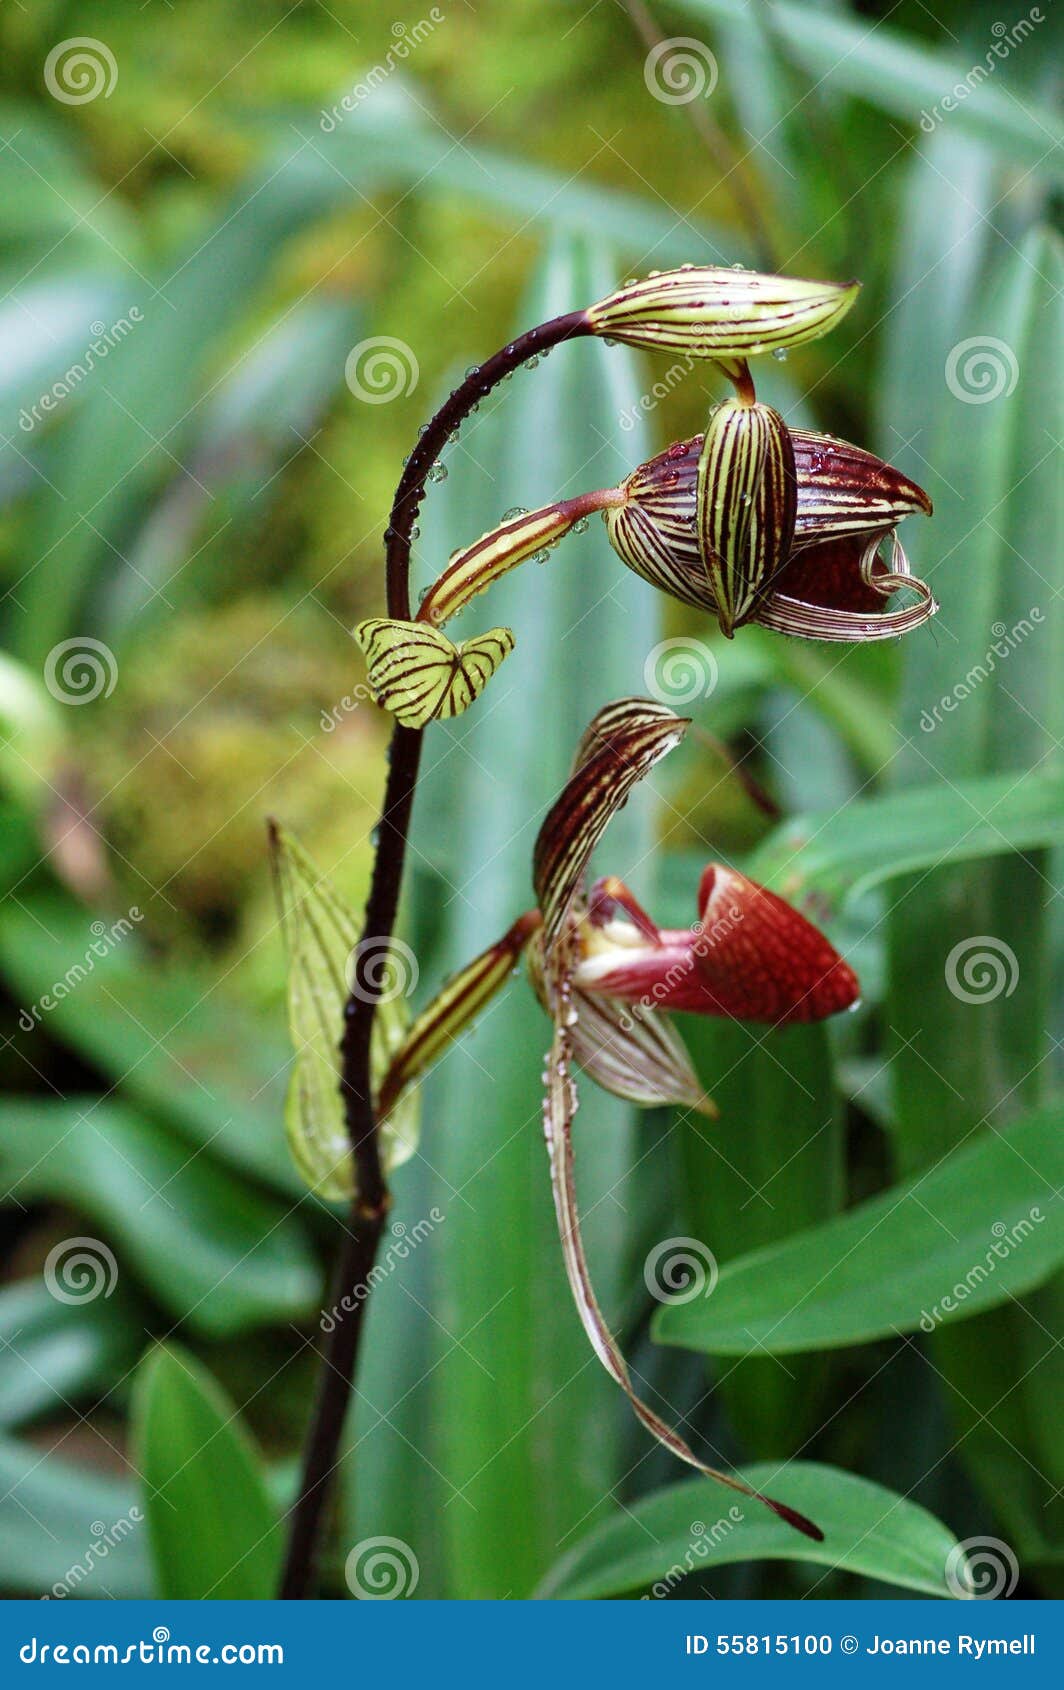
point(746, 502)
point(558, 1111)
point(716, 312)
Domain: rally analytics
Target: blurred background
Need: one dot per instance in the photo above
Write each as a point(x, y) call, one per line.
point(245, 251)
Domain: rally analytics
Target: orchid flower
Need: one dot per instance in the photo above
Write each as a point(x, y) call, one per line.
point(813, 568)
point(608, 977)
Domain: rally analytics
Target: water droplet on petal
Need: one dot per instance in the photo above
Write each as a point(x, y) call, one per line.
point(514, 512)
point(540, 556)
point(780, 354)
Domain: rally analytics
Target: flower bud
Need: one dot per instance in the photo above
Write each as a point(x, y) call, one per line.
point(746, 499)
point(720, 312)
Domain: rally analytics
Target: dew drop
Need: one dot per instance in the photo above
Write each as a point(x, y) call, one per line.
point(540, 556)
point(422, 430)
point(375, 836)
point(473, 370)
point(580, 526)
point(438, 472)
point(415, 532)
point(780, 354)
point(608, 340)
point(514, 512)
point(530, 363)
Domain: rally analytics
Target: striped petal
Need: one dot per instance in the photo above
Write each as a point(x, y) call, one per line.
point(711, 312)
point(746, 500)
point(420, 675)
point(620, 746)
point(808, 617)
point(634, 1052)
point(454, 1008)
point(559, 1108)
point(528, 534)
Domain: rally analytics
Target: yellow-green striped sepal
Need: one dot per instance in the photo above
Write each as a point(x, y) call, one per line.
point(421, 676)
point(715, 312)
point(747, 500)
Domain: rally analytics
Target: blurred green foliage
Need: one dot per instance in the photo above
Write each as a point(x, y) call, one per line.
point(206, 503)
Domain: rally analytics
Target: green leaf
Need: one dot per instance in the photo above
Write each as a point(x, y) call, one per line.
point(53, 1354)
point(684, 1529)
point(321, 935)
point(67, 1530)
point(214, 1531)
point(829, 859)
point(214, 1251)
point(174, 1038)
point(976, 1230)
point(771, 1166)
point(904, 76)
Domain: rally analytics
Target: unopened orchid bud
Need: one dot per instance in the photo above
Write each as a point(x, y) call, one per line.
point(746, 501)
point(725, 313)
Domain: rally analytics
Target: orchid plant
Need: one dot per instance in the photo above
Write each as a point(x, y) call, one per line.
point(751, 521)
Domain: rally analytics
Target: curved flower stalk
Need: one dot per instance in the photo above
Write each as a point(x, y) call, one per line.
point(608, 984)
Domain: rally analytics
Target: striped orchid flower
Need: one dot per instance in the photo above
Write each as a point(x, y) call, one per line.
point(792, 541)
point(608, 978)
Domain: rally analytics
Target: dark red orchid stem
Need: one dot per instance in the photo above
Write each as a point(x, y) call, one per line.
point(369, 1210)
